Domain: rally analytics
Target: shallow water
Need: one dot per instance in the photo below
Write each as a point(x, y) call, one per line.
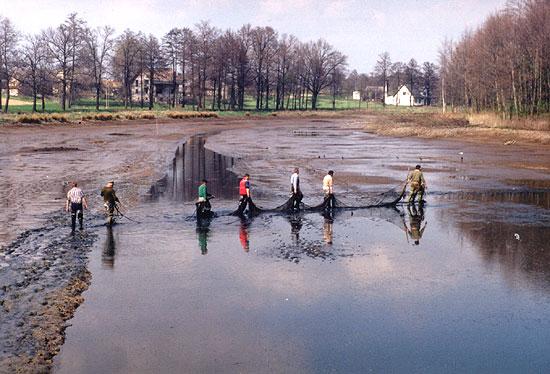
point(462, 285)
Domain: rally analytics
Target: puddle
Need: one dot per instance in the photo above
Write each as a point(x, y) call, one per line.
point(194, 162)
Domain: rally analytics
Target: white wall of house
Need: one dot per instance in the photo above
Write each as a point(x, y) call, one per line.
point(403, 97)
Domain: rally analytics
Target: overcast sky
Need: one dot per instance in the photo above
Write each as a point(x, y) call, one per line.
point(361, 29)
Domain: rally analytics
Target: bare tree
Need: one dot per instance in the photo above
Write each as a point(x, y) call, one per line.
point(153, 63)
point(76, 28)
point(34, 63)
point(382, 68)
point(504, 65)
point(171, 47)
point(126, 51)
point(99, 44)
point(321, 59)
point(9, 57)
point(58, 42)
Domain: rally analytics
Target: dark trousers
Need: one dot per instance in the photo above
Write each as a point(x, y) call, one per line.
point(76, 209)
point(330, 201)
point(244, 201)
point(297, 200)
point(203, 207)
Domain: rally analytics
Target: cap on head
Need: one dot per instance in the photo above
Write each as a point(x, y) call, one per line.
point(417, 167)
point(330, 172)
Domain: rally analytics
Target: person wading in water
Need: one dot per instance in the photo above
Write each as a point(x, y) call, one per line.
point(297, 195)
point(109, 200)
point(328, 190)
point(203, 202)
point(244, 192)
point(418, 185)
point(76, 203)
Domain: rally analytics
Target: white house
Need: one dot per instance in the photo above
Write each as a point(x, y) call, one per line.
point(403, 97)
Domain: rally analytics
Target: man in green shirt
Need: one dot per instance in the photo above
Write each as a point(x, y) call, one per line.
point(417, 183)
point(109, 200)
point(203, 203)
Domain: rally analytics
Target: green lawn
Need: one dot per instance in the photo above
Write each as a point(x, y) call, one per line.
point(88, 105)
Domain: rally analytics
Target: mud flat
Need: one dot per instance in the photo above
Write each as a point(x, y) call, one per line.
point(449, 287)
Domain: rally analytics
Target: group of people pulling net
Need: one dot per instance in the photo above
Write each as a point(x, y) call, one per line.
point(76, 202)
point(330, 202)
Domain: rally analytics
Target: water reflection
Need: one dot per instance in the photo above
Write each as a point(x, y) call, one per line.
point(415, 229)
point(243, 235)
point(509, 229)
point(295, 227)
point(327, 227)
point(192, 163)
point(109, 249)
point(202, 236)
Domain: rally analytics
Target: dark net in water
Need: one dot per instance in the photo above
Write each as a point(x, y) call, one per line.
point(369, 200)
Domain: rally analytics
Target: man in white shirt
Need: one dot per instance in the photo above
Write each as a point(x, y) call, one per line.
point(328, 190)
point(297, 195)
point(76, 203)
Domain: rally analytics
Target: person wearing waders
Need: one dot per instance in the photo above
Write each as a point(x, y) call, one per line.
point(417, 184)
point(244, 193)
point(203, 203)
point(109, 200)
point(297, 195)
point(329, 201)
point(76, 203)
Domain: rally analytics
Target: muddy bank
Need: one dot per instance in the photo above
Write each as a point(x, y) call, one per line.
point(42, 274)
point(460, 126)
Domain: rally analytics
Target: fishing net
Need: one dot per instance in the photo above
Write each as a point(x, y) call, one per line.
point(368, 200)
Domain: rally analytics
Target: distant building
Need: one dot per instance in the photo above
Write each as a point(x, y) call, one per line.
point(403, 97)
point(163, 88)
point(13, 87)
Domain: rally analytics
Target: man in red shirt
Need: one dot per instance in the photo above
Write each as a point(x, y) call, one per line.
point(244, 192)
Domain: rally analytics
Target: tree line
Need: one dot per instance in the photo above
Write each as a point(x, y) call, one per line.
point(204, 65)
point(504, 65)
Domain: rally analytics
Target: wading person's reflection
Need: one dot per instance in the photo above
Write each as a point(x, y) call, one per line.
point(415, 230)
point(243, 236)
point(108, 255)
point(295, 227)
point(327, 228)
point(202, 236)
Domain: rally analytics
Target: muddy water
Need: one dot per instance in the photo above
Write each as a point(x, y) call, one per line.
point(460, 285)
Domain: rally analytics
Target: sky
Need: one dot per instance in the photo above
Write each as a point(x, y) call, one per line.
point(361, 29)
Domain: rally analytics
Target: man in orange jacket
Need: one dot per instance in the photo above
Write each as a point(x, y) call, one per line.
point(244, 192)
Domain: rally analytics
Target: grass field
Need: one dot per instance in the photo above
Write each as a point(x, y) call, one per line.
point(19, 105)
